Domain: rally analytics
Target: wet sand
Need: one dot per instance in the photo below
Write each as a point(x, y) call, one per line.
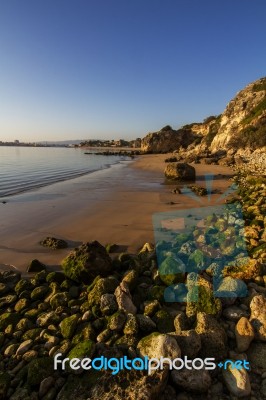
point(112, 206)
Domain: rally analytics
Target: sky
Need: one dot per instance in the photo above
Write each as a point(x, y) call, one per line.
point(110, 69)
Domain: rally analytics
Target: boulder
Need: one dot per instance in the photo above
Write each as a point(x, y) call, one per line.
point(180, 172)
point(86, 262)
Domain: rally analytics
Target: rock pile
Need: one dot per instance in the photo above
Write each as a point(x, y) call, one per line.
point(119, 309)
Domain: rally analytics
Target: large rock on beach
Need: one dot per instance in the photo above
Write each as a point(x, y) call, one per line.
point(86, 262)
point(180, 172)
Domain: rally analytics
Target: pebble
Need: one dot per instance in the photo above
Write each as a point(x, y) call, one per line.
point(24, 347)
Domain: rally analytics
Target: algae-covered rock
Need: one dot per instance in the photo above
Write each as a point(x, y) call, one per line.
point(145, 323)
point(54, 243)
point(59, 299)
point(7, 319)
point(5, 380)
point(164, 321)
point(22, 285)
point(39, 369)
point(86, 262)
point(108, 304)
point(39, 292)
point(117, 321)
point(131, 326)
point(68, 326)
point(78, 386)
point(131, 278)
point(83, 349)
point(201, 299)
point(151, 307)
point(133, 385)
point(172, 270)
point(158, 345)
point(101, 287)
point(231, 287)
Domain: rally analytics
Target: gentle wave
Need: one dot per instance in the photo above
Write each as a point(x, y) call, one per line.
point(23, 169)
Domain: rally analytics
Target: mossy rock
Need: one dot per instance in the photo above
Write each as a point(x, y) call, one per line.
point(131, 278)
point(39, 369)
point(21, 304)
point(8, 319)
point(68, 326)
point(39, 292)
point(205, 301)
point(78, 386)
point(156, 292)
point(59, 299)
point(172, 270)
point(22, 285)
point(117, 321)
point(196, 261)
point(151, 307)
point(131, 326)
point(164, 321)
point(86, 262)
point(83, 349)
point(32, 334)
point(102, 286)
point(54, 243)
point(84, 332)
point(111, 248)
point(5, 380)
point(55, 277)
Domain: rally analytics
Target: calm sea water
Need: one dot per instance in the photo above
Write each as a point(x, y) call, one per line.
point(26, 168)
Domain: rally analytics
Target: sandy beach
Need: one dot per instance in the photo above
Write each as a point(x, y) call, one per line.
point(112, 206)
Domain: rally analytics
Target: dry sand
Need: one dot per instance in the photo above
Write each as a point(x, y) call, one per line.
point(112, 206)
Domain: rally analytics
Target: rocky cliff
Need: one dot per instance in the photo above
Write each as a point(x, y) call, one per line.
point(240, 128)
point(243, 123)
point(167, 139)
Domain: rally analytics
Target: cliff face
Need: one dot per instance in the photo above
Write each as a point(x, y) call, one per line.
point(243, 121)
point(167, 139)
point(241, 127)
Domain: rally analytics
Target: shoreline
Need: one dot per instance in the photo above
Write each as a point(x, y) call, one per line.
point(111, 205)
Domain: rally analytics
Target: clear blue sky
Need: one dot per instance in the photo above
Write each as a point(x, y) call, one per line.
point(120, 68)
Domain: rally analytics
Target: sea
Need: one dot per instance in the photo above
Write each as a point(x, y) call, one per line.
point(26, 168)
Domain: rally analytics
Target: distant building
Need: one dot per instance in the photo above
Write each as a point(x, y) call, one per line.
point(16, 141)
